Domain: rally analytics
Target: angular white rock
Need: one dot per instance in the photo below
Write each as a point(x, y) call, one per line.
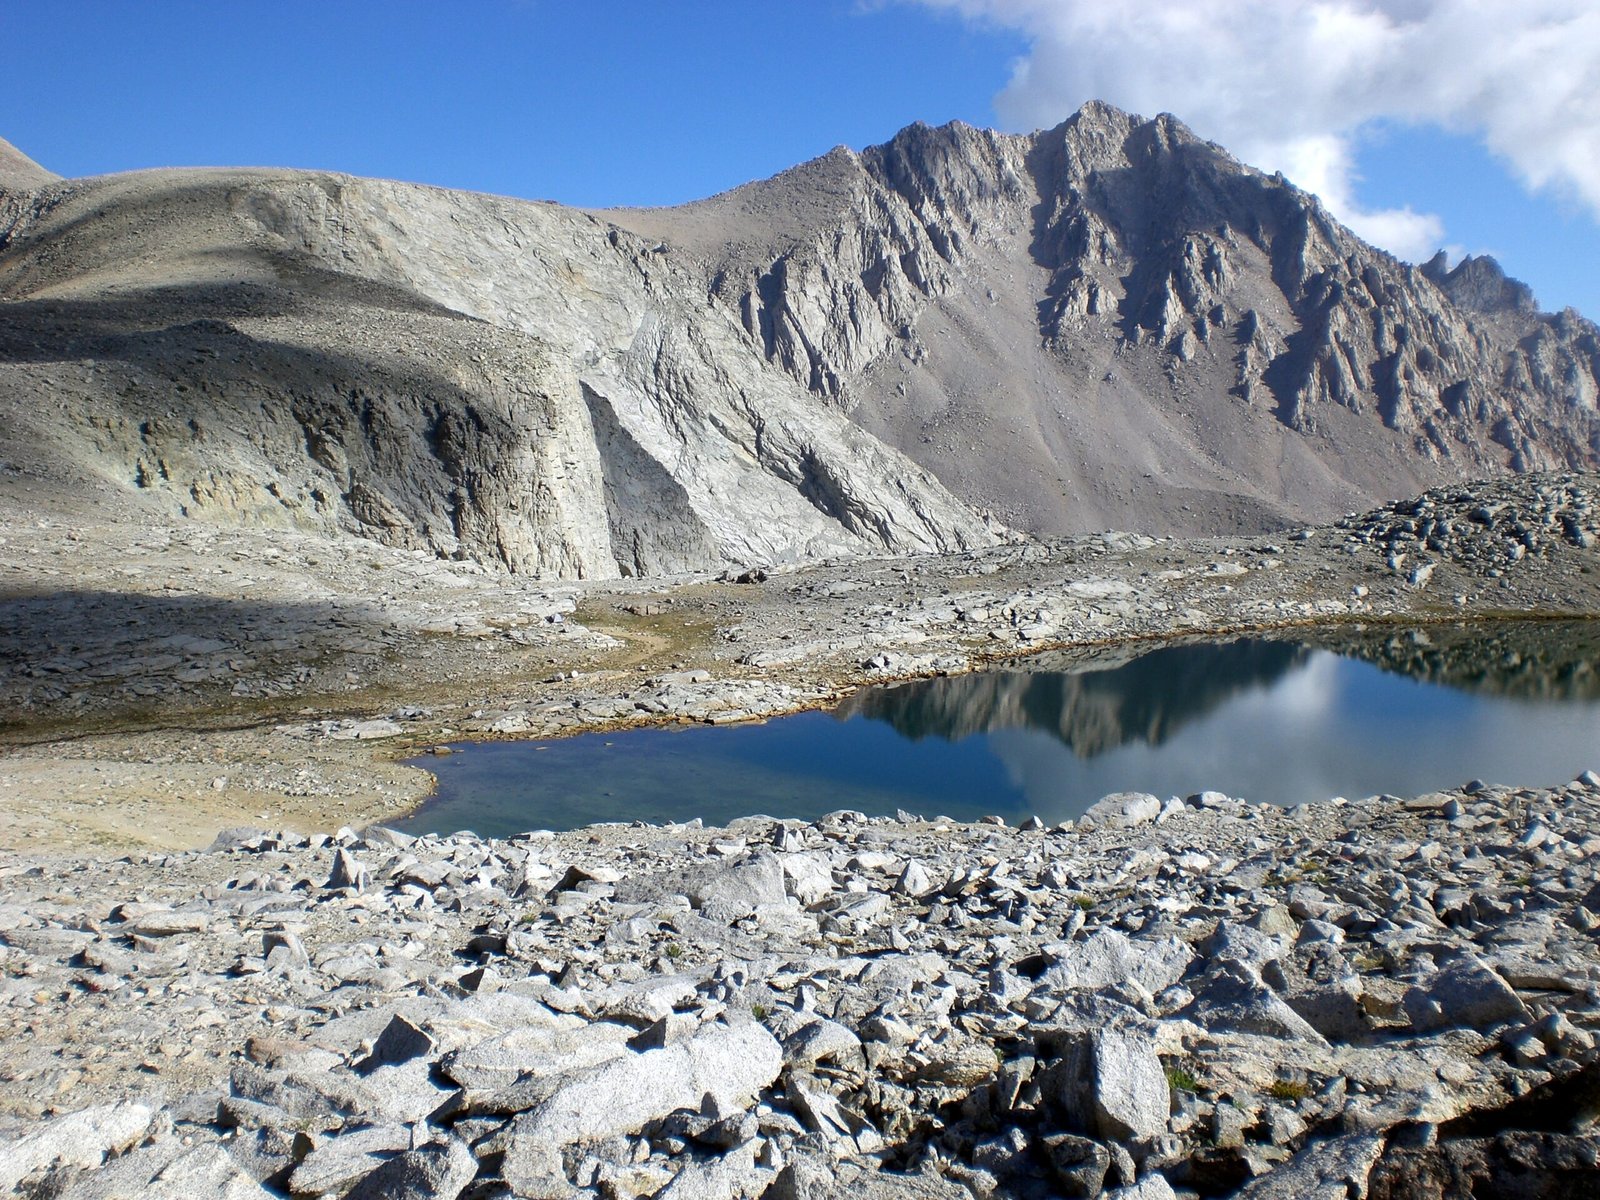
point(1121, 810)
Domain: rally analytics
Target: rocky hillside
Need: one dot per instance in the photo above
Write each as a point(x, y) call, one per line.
point(486, 379)
point(1115, 324)
point(1109, 324)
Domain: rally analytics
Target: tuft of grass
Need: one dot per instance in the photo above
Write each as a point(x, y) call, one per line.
point(1084, 902)
point(674, 951)
point(1181, 1080)
point(1291, 1090)
point(760, 1011)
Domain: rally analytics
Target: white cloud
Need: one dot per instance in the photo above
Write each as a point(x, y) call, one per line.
point(1287, 85)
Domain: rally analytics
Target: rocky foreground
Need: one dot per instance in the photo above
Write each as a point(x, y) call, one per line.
point(1375, 998)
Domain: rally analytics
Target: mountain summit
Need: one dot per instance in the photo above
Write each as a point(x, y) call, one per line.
point(1115, 324)
point(1108, 324)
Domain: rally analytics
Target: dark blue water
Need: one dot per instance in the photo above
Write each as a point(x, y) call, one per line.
point(1266, 721)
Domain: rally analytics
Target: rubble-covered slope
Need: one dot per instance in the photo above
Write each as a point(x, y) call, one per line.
point(1202, 998)
point(19, 171)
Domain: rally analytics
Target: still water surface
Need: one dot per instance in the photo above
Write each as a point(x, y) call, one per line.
point(1273, 721)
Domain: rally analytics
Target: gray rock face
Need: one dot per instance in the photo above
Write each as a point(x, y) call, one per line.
point(1111, 1085)
point(80, 1139)
point(1107, 959)
point(1324, 1170)
point(1076, 1165)
point(1233, 996)
point(400, 1042)
point(782, 373)
point(1464, 992)
point(205, 1171)
point(805, 1180)
point(437, 1172)
point(338, 1163)
point(735, 1174)
point(1152, 1187)
point(756, 880)
point(347, 872)
point(728, 1063)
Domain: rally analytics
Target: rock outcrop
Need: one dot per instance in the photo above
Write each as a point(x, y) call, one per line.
point(1108, 324)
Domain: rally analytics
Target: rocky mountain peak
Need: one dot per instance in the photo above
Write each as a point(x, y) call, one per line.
point(952, 177)
point(1238, 313)
point(1479, 283)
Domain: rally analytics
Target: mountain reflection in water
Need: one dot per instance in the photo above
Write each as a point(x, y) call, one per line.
point(1269, 721)
point(1095, 709)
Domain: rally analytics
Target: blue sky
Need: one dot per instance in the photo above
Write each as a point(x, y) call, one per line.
point(659, 101)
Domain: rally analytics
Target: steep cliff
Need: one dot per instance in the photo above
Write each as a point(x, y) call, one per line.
point(1108, 324)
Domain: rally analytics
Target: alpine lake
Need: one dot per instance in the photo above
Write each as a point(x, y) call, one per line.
point(1336, 712)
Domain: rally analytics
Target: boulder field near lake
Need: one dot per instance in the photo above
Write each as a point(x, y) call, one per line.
point(302, 475)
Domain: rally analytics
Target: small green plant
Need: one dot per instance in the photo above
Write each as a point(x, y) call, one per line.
point(1181, 1080)
point(760, 1011)
point(1291, 1090)
point(1084, 902)
point(674, 951)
